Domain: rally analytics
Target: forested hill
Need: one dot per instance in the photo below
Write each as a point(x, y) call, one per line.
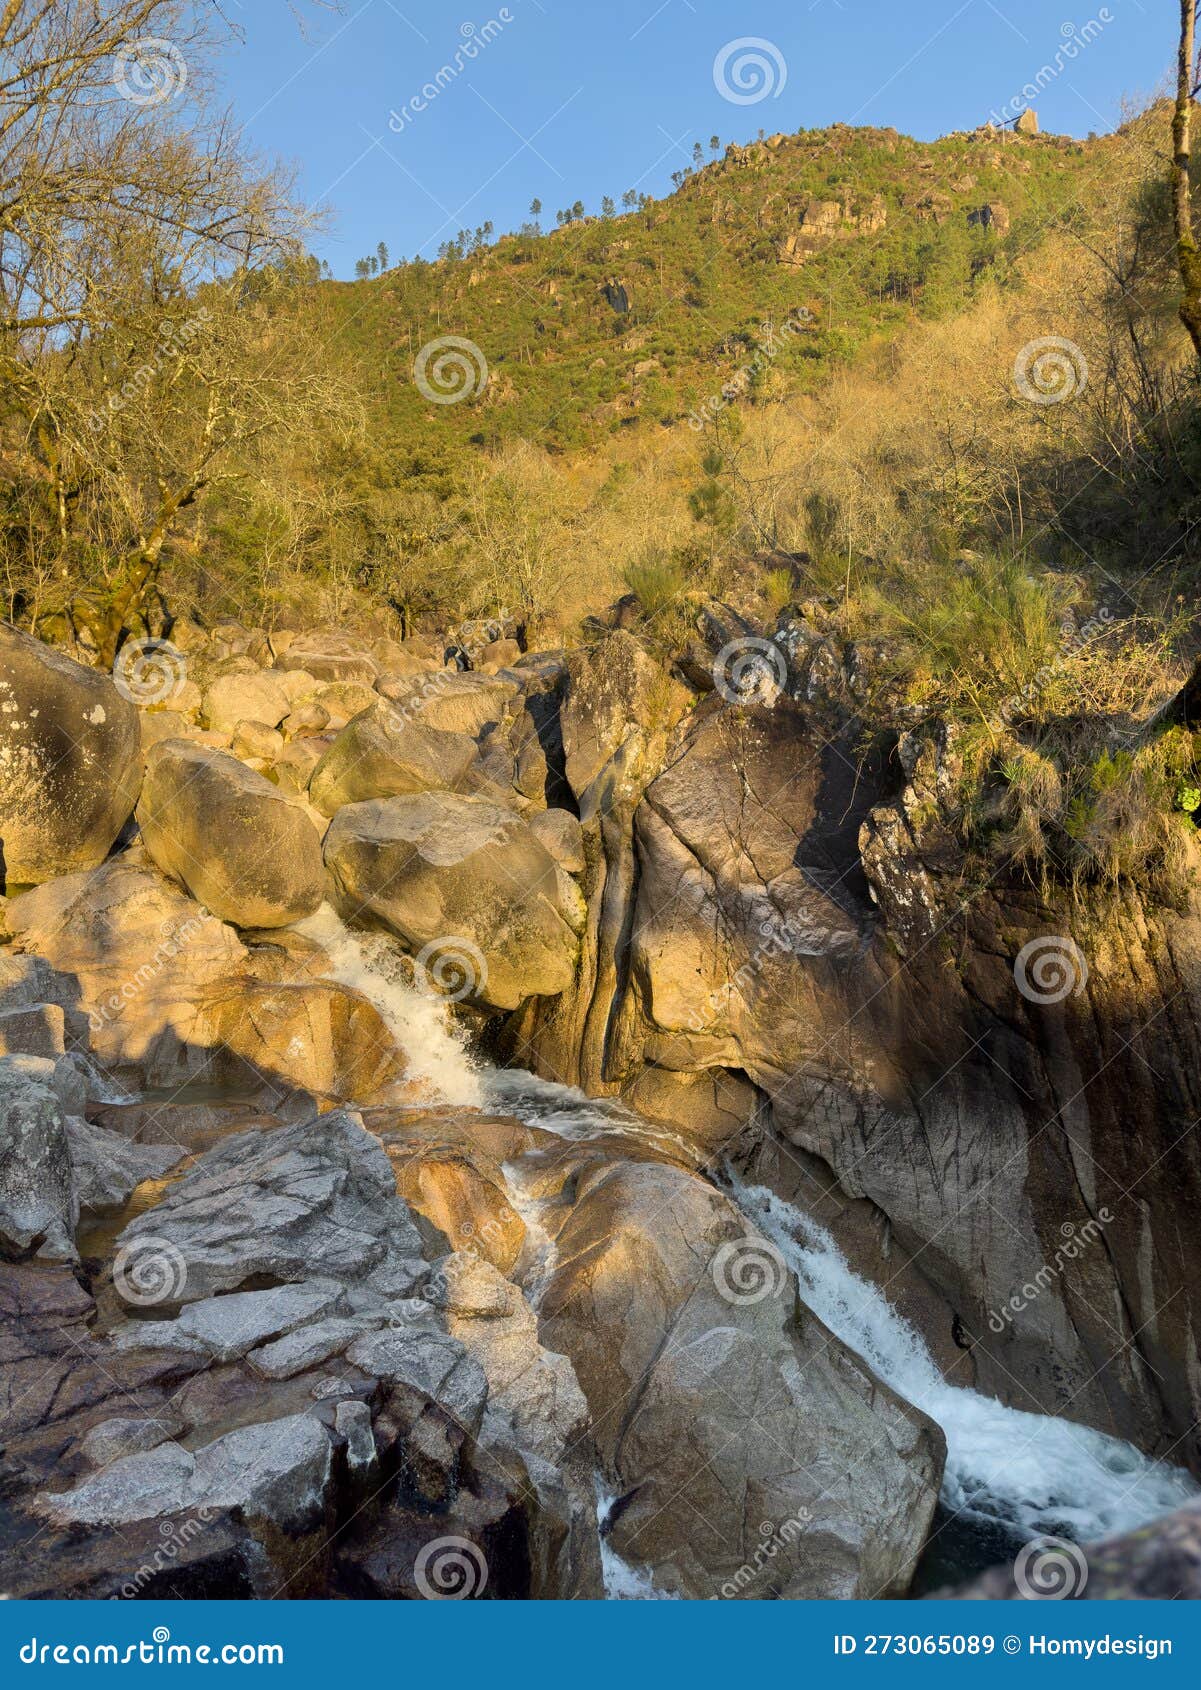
point(785, 254)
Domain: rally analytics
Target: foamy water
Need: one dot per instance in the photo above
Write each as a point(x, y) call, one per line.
point(420, 1022)
point(1033, 1473)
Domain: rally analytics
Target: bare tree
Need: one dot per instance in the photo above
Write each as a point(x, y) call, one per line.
point(143, 255)
point(1188, 257)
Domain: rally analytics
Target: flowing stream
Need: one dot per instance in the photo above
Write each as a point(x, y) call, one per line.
point(1015, 1475)
point(1010, 1475)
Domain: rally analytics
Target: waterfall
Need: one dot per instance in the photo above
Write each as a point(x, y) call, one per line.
point(420, 1022)
point(1020, 1473)
point(1028, 1473)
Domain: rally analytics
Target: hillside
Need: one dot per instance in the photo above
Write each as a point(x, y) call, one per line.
point(829, 236)
point(809, 346)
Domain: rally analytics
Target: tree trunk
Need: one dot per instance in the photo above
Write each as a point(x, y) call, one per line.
point(1188, 258)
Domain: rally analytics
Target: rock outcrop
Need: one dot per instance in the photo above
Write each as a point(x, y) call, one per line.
point(383, 753)
point(323, 1435)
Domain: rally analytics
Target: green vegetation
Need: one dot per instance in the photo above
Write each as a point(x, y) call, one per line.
point(930, 404)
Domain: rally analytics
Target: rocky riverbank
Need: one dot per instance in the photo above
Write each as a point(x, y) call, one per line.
point(298, 1299)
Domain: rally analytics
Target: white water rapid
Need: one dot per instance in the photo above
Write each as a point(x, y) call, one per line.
point(420, 1022)
point(1031, 1473)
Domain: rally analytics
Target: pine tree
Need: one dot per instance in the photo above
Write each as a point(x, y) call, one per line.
point(381, 253)
point(607, 207)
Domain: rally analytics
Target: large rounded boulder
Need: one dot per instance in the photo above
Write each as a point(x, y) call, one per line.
point(466, 886)
point(240, 846)
point(382, 753)
point(70, 762)
point(720, 1402)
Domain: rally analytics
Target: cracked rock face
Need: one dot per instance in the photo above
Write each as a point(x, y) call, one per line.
point(309, 1202)
point(38, 1203)
point(243, 1423)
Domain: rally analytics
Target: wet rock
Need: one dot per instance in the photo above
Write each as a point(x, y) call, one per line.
point(1159, 1562)
point(106, 1168)
point(434, 1404)
point(231, 838)
point(459, 1199)
point(70, 761)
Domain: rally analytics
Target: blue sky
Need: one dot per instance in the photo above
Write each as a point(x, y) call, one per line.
point(568, 101)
